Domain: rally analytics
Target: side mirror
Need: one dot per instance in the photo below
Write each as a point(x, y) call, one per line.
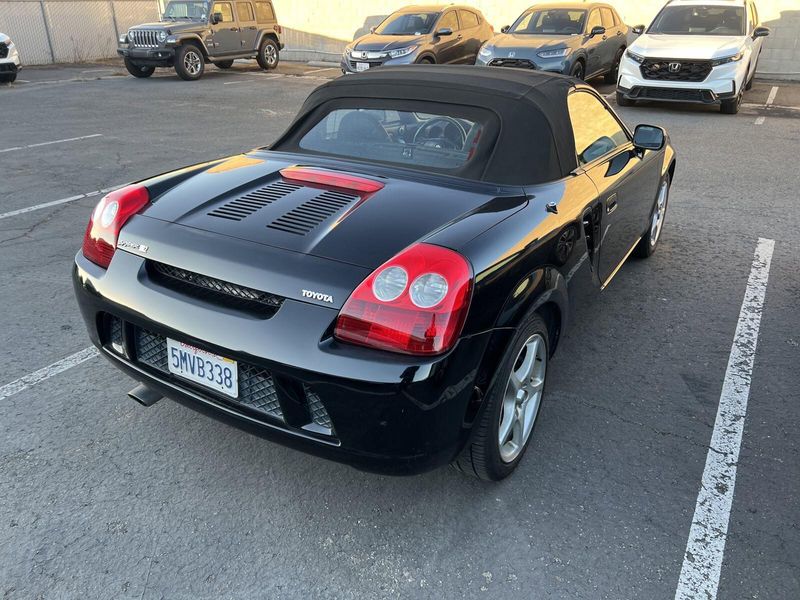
point(597, 30)
point(638, 29)
point(372, 29)
point(216, 18)
point(505, 28)
point(444, 32)
point(649, 137)
point(761, 32)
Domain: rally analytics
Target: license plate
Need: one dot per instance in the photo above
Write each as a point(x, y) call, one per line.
point(362, 66)
point(210, 370)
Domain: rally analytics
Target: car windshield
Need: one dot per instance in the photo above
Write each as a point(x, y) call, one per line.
point(396, 136)
point(186, 10)
point(407, 24)
point(552, 21)
point(699, 20)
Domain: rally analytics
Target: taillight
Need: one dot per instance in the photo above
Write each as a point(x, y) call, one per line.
point(108, 217)
point(278, 28)
point(415, 303)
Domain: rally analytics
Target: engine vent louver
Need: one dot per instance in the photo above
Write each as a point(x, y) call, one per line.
point(308, 215)
point(236, 210)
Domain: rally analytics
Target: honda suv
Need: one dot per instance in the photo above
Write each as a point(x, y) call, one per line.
point(420, 34)
point(195, 32)
point(702, 51)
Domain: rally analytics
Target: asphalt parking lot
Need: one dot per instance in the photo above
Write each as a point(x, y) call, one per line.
point(102, 498)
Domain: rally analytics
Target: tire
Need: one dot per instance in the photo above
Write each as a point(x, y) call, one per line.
point(8, 78)
point(611, 76)
point(426, 61)
point(731, 107)
point(223, 64)
point(140, 71)
point(268, 55)
point(623, 101)
point(749, 84)
point(649, 242)
point(577, 71)
point(189, 62)
point(484, 456)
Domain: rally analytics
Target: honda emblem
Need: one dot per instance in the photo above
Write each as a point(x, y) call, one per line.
point(674, 67)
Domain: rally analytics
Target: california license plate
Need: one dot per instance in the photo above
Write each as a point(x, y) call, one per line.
point(362, 66)
point(210, 370)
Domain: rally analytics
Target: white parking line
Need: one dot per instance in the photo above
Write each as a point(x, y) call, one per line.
point(64, 141)
point(705, 547)
point(321, 70)
point(22, 211)
point(770, 99)
point(31, 379)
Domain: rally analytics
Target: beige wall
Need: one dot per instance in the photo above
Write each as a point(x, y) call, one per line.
point(342, 19)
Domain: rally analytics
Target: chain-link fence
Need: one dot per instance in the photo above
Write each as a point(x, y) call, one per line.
point(65, 31)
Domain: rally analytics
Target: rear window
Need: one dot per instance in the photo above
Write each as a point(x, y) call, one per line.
point(431, 140)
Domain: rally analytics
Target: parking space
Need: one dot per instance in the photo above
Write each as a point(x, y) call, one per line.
point(101, 498)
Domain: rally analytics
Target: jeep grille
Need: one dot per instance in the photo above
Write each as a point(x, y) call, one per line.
point(144, 38)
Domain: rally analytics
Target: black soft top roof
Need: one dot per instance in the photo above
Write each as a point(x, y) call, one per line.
point(534, 142)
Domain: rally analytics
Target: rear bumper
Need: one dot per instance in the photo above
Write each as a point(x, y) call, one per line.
point(155, 57)
point(400, 416)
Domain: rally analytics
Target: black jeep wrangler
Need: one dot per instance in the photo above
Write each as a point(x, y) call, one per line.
point(195, 32)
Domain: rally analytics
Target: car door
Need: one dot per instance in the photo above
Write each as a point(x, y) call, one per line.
point(613, 41)
point(626, 180)
point(448, 47)
point(594, 45)
point(226, 31)
point(248, 30)
point(470, 31)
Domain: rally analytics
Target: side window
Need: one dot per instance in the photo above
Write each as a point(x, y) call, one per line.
point(264, 12)
point(608, 18)
point(226, 9)
point(245, 12)
point(595, 129)
point(469, 19)
point(594, 20)
point(449, 20)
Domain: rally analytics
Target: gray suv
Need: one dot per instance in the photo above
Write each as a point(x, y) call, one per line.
point(192, 33)
point(420, 34)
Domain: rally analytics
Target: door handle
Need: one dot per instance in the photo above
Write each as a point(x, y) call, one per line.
point(234, 29)
point(611, 204)
point(252, 27)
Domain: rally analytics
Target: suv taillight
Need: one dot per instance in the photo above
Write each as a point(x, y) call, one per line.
point(415, 303)
point(108, 217)
point(278, 29)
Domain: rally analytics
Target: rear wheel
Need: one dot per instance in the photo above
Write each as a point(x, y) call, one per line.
point(189, 62)
point(611, 76)
point(268, 56)
point(426, 61)
point(503, 430)
point(648, 243)
point(8, 78)
point(577, 70)
point(223, 64)
point(140, 71)
point(731, 107)
point(623, 101)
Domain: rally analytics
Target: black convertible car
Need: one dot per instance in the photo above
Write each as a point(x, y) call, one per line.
point(384, 285)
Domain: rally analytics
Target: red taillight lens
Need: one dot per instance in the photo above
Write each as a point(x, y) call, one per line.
point(415, 303)
point(108, 217)
point(332, 178)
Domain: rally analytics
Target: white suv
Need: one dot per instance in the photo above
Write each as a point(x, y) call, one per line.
point(694, 51)
point(9, 60)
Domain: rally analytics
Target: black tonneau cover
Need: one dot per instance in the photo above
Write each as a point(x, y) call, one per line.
point(534, 142)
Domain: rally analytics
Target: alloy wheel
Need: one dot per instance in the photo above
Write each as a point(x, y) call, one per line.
point(270, 54)
point(192, 62)
point(522, 398)
point(659, 213)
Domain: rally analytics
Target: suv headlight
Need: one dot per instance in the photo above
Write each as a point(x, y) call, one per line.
point(728, 59)
point(557, 53)
point(402, 51)
point(634, 57)
point(161, 35)
point(486, 51)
